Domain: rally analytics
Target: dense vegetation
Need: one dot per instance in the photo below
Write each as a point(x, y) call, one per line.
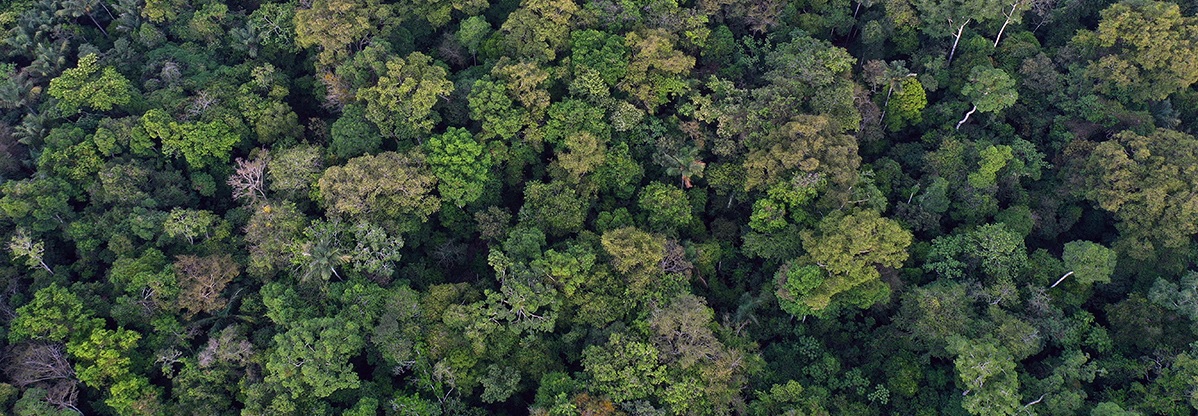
point(598, 207)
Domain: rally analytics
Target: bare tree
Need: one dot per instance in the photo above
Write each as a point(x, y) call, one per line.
point(44, 365)
point(249, 180)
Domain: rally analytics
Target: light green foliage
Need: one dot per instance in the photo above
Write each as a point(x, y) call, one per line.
point(792, 197)
point(994, 158)
point(88, 85)
point(570, 117)
point(336, 25)
point(768, 216)
point(55, 314)
point(597, 51)
point(849, 248)
point(655, 69)
point(401, 102)
point(1149, 184)
point(293, 171)
point(583, 154)
point(538, 29)
point(461, 164)
point(23, 245)
point(992, 249)
point(200, 143)
point(633, 250)
point(1180, 297)
point(988, 373)
point(188, 223)
point(104, 356)
point(472, 31)
point(624, 368)
point(797, 282)
point(806, 145)
point(438, 12)
point(312, 358)
point(787, 398)
point(990, 89)
point(1090, 262)
point(39, 204)
point(667, 207)
point(905, 107)
point(489, 103)
point(388, 187)
point(1143, 50)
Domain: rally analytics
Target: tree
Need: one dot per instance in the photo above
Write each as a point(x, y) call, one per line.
point(655, 69)
point(538, 29)
point(490, 105)
point(805, 145)
point(200, 143)
point(55, 314)
point(201, 281)
point(23, 245)
point(388, 187)
point(272, 230)
point(401, 103)
point(633, 250)
point(667, 206)
point(353, 135)
point(554, 207)
point(905, 108)
point(602, 53)
point(957, 14)
point(847, 248)
point(1089, 262)
point(337, 25)
point(988, 373)
point(624, 368)
point(472, 31)
point(992, 249)
point(438, 12)
point(462, 165)
point(189, 223)
point(1144, 50)
point(44, 368)
point(990, 89)
point(294, 170)
point(249, 179)
point(583, 153)
point(312, 357)
point(1147, 183)
point(1180, 297)
point(87, 85)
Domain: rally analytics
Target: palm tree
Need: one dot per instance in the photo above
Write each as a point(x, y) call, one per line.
point(686, 165)
point(76, 8)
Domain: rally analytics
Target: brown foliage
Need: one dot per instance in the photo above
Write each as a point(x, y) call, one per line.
point(201, 281)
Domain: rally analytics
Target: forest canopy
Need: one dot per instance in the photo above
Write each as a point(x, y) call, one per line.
point(598, 207)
